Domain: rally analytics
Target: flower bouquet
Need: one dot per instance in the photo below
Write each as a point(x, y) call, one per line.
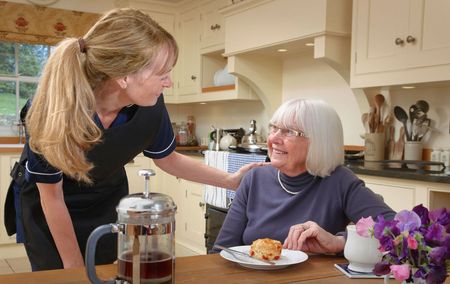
point(415, 244)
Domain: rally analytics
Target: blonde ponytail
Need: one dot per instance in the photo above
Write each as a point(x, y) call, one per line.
point(59, 121)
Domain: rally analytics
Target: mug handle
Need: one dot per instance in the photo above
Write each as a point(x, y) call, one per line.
point(90, 251)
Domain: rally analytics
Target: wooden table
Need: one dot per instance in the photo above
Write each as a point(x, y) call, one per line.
point(210, 269)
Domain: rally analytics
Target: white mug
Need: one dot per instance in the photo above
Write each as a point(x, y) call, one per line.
point(361, 252)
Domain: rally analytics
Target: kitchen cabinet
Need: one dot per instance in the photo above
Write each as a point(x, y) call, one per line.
point(400, 42)
point(190, 219)
point(191, 234)
point(212, 26)
point(188, 69)
point(200, 36)
point(405, 194)
point(8, 246)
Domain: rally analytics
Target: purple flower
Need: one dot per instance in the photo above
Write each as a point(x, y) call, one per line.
point(422, 212)
point(435, 234)
point(441, 216)
point(438, 255)
point(407, 220)
point(385, 228)
point(382, 268)
point(415, 244)
point(436, 275)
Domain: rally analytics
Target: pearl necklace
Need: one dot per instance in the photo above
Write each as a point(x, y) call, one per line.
point(282, 185)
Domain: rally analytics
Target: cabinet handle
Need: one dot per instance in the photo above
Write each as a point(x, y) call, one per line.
point(399, 41)
point(193, 77)
point(215, 27)
point(410, 39)
point(201, 204)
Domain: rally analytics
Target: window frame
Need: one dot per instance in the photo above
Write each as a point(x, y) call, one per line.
point(17, 78)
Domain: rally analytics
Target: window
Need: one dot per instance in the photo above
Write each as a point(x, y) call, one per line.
point(20, 68)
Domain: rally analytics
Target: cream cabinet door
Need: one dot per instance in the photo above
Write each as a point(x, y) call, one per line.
point(188, 69)
point(213, 27)
point(397, 197)
point(410, 36)
point(378, 24)
point(195, 225)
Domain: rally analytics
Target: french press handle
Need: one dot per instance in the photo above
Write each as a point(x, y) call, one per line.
point(90, 251)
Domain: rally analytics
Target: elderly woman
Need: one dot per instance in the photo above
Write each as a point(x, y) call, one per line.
point(305, 198)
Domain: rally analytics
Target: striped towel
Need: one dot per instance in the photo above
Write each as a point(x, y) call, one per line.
point(235, 162)
point(214, 195)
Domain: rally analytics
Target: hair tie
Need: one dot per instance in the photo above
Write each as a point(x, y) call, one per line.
point(82, 45)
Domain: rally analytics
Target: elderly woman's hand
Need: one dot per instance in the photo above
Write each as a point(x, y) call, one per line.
point(235, 178)
point(310, 237)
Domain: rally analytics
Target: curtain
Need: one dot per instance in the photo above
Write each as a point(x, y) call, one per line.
point(41, 25)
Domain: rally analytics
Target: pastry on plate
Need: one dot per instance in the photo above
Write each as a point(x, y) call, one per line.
point(266, 248)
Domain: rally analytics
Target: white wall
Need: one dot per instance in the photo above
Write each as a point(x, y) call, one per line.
point(304, 76)
point(226, 115)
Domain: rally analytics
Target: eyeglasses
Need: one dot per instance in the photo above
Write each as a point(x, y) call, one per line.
point(286, 132)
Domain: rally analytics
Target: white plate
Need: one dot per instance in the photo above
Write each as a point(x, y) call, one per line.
point(288, 257)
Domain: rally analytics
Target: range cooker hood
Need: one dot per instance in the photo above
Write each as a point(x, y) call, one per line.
point(256, 29)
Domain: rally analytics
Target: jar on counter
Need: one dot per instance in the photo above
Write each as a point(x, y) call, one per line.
point(191, 139)
point(182, 134)
point(445, 158)
point(436, 157)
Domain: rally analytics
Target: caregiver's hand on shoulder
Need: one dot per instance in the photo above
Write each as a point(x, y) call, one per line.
point(237, 176)
point(310, 237)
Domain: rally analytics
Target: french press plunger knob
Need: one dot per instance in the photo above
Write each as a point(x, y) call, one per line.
point(147, 174)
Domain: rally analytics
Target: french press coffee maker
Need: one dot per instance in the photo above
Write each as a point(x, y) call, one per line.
point(146, 238)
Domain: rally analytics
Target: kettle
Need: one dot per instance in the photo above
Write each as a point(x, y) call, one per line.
point(146, 238)
point(226, 141)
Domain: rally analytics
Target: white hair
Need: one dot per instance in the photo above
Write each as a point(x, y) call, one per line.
point(322, 126)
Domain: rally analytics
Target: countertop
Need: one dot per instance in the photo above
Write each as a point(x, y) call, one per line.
point(210, 268)
point(383, 170)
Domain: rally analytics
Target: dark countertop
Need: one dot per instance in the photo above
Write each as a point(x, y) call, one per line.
point(383, 170)
point(377, 169)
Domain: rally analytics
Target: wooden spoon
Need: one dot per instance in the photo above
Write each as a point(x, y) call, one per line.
point(379, 101)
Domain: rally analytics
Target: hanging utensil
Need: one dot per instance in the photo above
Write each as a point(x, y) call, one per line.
point(423, 129)
point(412, 113)
point(400, 115)
point(423, 106)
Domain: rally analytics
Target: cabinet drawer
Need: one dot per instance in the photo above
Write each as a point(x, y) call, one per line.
point(397, 197)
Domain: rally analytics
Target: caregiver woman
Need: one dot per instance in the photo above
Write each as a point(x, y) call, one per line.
point(99, 103)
